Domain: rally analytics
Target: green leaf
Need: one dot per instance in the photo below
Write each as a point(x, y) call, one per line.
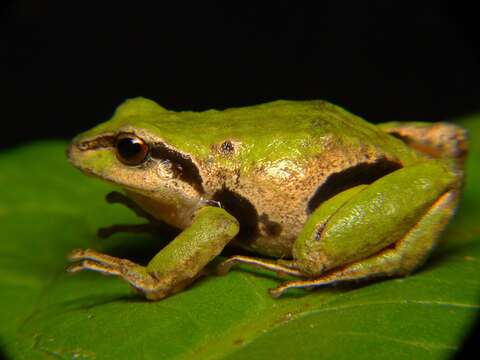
point(47, 208)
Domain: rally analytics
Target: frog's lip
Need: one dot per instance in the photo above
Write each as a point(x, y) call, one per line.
point(74, 154)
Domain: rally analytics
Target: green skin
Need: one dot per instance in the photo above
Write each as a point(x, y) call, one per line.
point(329, 195)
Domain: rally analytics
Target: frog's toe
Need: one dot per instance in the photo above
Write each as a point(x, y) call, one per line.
point(92, 260)
point(282, 269)
point(302, 284)
point(94, 266)
point(89, 254)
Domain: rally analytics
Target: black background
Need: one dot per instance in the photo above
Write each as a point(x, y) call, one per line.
point(65, 66)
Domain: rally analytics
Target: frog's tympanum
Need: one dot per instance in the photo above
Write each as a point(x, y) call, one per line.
point(310, 190)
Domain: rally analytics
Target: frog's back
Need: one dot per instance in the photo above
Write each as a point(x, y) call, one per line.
point(292, 157)
point(270, 165)
point(271, 131)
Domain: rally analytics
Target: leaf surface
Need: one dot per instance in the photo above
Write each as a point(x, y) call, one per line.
point(47, 208)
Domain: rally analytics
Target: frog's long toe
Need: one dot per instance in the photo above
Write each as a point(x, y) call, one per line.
point(80, 254)
point(302, 284)
point(282, 269)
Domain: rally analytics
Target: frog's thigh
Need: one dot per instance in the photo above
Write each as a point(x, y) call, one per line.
point(374, 218)
point(408, 253)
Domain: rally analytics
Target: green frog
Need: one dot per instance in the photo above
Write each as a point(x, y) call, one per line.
point(310, 190)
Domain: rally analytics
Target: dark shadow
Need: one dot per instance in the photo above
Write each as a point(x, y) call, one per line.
point(3, 356)
point(139, 248)
point(470, 344)
point(90, 302)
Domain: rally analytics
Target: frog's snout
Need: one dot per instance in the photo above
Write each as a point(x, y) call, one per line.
point(75, 154)
point(69, 151)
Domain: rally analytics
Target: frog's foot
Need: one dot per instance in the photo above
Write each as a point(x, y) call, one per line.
point(281, 267)
point(136, 275)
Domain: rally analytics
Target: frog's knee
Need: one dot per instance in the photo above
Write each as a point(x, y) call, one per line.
point(308, 253)
point(313, 263)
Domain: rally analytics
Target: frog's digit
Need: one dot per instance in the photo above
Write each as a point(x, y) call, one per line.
point(281, 268)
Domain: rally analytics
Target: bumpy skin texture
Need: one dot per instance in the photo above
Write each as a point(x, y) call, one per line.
point(304, 179)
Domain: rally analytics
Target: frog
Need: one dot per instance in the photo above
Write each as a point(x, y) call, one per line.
point(304, 189)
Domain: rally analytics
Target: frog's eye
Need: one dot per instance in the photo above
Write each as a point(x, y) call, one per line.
point(130, 149)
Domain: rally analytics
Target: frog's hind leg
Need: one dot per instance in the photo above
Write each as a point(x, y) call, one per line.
point(281, 267)
point(399, 260)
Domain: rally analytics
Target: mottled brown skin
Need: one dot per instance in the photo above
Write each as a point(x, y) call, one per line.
point(281, 202)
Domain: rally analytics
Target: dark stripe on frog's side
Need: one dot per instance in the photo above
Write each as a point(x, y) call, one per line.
point(362, 173)
point(251, 224)
point(182, 165)
point(242, 210)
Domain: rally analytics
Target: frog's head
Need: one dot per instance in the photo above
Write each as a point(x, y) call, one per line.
point(129, 151)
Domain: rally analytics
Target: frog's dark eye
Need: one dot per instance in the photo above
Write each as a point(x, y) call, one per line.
point(130, 149)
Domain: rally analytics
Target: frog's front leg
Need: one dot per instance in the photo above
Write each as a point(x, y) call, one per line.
point(177, 264)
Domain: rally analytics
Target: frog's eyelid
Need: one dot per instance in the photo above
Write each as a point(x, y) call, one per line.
point(359, 174)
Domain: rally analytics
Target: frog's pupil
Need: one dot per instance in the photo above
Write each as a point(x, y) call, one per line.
point(128, 148)
point(131, 150)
